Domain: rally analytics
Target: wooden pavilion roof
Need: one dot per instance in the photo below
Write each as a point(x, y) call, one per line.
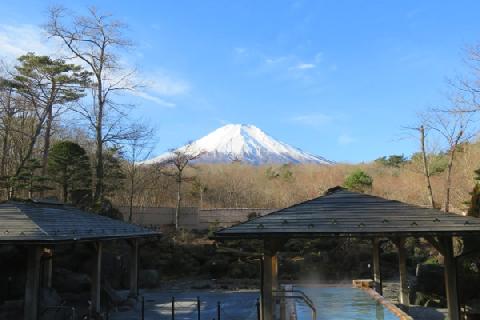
point(345, 213)
point(30, 222)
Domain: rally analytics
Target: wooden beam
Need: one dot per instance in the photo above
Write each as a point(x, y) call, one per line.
point(133, 268)
point(437, 244)
point(450, 279)
point(97, 279)
point(377, 275)
point(402, 266)
point(32, 283)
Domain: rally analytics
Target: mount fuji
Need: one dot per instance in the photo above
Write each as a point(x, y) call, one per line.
point(245, 143)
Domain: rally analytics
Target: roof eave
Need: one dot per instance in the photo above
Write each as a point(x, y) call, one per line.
point(79, 239)
point(306, 235)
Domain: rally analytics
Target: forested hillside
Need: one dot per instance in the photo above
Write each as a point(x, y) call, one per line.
point(275, 186)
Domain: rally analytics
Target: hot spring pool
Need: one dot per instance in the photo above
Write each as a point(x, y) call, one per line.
point(342, 304)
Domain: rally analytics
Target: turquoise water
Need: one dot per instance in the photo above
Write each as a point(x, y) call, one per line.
point(342, 304)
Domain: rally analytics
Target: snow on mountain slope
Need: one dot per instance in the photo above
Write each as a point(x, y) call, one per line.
point(246, 143)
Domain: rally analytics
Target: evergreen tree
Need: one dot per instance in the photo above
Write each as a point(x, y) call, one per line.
point(395, 161)
point(359, 181)
point(69, 167)
point(114, 176)
point(48, 85)
point(474, 209)
point(28, 179)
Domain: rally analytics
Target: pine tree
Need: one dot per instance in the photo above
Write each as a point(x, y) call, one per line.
point(69, 168)
point(114, 176)
point(358, 181)
point(49, 85)
point(28, 178)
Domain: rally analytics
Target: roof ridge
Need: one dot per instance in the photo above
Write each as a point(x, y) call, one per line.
point(38, 226)
point(334, 190)
point(353, 213)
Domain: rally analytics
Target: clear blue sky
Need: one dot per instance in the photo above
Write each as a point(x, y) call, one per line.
point(335, 78)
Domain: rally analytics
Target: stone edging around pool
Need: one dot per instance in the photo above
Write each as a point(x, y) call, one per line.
point(387, 304)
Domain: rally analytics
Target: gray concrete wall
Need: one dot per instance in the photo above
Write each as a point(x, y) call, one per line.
point(226, 217)
point(191, 218)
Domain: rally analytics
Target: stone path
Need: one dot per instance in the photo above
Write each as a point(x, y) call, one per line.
point(390, 292)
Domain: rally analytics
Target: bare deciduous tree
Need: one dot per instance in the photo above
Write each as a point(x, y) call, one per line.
point(422, 135)
point(466, 88)
point(453, 128)
point(95, 39)
point(7, 112)
point(178, 161)
point(137, 148)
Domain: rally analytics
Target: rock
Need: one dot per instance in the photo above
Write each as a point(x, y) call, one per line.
point(149, 278)
point(433, 304)
point(202, 286)
point(124, 308)
point(430, 279)
point(11, 309)
point(412, 293)
point(130, 303)
point(114, 297)
point(49, 297)
point(67, 281)
point(420, 299)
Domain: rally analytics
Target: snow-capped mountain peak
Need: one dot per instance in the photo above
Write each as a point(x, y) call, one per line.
point(246, 143)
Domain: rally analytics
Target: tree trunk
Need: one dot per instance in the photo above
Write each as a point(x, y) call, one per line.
point(99, 147)
point(31, 145)
point(5, 150)
point(179, 199)
point(448, 182)
point(6, 136)
point(5, 141)
point(65, 189)
point(132, 192)
point(46, 143)
point(46, 140)
point(426, 172)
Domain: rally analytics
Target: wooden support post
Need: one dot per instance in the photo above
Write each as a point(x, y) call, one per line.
point(275, 286)
point(402, 264)
point(283, 309)
point(133, 268)
point(47, 267)
point(269, 259)
point(267, 287)
point(450, 279)
point(32, 283)
point(377, 277)
point(97, 278)
point(275, 272)
point(262, 288)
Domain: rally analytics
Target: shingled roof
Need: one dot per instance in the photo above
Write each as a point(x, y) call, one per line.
point(30, 222)
point(345, 213)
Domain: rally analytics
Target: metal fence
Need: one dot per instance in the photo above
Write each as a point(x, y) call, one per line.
point(181, 308)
